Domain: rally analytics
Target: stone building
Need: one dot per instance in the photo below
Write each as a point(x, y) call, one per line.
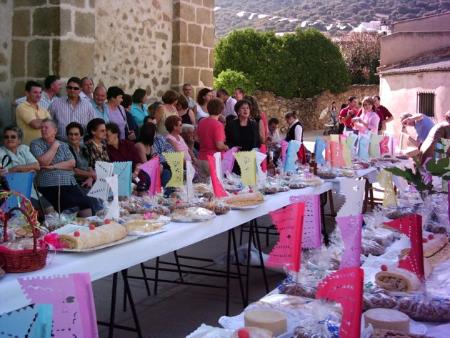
point(415, 68)
point(151, 44)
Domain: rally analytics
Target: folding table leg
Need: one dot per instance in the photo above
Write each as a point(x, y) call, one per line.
point(330, 200)
point(155, 285)
point(238, 266)
point(112, 313)
point(126, 286)
point(261, 260)
point(227, 287)
point(247, 280)
point(144, 273)
point(177, 261)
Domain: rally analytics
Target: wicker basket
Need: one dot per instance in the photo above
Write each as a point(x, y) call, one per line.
point(23, 260)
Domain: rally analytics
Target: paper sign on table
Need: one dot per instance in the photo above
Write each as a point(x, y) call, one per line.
point(218, 189)
point(374, 147)
point(261, 175)
point(319, 150)
point(175, 160)
point(347, 149)
point(31, 321)
point(335, 138)
point(289, 223)
point(123, 171)
point(337, 159)
point(284, 146)
point(385, 180)
point(153, 170)
point(72, 300)
point(353, 191)
point(190, 173)
point(104, 186)
point(228, 160)
point(411, 226)
point(363, 148)
point(247, 163)
point(350, 228)
point(112, 207)
point(291, 156)
point(384, 145)
point(219, 169)
point(345, 286)
point(312, 221)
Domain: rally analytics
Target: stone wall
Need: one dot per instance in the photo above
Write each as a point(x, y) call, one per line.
point(193, 43)
point(5, 59)
point(134, 44)
point(309, 109)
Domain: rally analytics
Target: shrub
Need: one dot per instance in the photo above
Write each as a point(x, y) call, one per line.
point(231, 79)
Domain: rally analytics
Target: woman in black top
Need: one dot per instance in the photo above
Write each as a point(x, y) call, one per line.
point(186, 114)
point(242, 132)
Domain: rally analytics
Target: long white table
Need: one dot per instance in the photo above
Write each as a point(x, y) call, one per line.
point(178, 235)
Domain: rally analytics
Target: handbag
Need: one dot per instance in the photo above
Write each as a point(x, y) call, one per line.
point(6, 161)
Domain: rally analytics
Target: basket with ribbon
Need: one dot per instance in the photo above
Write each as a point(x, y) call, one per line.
point(21, 250)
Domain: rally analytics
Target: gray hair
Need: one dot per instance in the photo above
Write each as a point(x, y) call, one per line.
point(404, 116)
point(15, 129)
point(52, 122)
point(187, 127)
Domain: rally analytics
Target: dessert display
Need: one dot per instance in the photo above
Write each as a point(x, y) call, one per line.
point(244, 200)
point(218, 207)
point(145, 226)
point(387, 319)
point(271, 320)
point(433, 243)
point(192, 214)
point(93, 236)
point(397, 279)
point(252, 332)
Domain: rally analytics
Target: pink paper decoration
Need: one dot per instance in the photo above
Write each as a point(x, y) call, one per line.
point(72, 300)
point(411, 226)
point(336, 152)
point(228, 160)
point(312, 222)
point(448, 205)
point(218, 189)
point(284, 147)
point(153, 170)
point(384, 145)
point(345, 287)
point(350, 227)
point(289, 223)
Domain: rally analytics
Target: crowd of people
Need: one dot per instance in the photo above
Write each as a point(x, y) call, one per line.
point(62, 137)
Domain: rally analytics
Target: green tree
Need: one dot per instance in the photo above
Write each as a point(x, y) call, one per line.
point(231, 79)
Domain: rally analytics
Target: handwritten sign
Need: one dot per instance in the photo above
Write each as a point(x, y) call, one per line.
point(175, 161)
point(350, 228)
point(247, 164)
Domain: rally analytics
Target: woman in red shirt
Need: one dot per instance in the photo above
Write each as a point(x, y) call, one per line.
point(211, 132)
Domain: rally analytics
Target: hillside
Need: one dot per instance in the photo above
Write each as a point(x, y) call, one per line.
point(333, 16)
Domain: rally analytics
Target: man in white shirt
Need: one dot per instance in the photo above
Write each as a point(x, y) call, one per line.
point(228, 101)
point(295, 128)
point(87, 88)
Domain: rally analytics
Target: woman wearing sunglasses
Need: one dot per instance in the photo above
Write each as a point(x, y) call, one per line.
point(14, 156)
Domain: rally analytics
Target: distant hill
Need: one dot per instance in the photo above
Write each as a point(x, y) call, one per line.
point(333, 16)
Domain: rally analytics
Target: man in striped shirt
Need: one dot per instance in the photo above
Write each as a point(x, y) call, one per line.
point(71, 108)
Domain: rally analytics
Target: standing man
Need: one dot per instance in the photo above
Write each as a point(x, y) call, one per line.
point(30, 114)
point(229, 103)
point(71, 108)
point(349, 112)
point(421, 123)
point(87, 88)
point(52, 89)
point(383, 113)
point(99, 103)
point(187, 91)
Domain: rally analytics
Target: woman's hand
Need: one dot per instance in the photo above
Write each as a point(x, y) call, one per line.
point(131, 135)
point(87, 183)
point(3, 171)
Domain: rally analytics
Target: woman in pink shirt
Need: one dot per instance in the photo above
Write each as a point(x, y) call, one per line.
point(368, 120)
point(211, 132)
point(174, 125)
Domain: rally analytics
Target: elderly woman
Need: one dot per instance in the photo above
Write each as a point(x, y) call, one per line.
point(56, 179)
point(189, 137)
point(139, 106)
point(168, 108)
point(174, 127)
point(121, 150)
point(117, 113)
point(203, 97)
point(368, 120)
point(243, 131)
point(16, 157)
point(95, 142)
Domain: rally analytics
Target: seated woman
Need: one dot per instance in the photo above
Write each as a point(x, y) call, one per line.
point(165, 110)
point(174, 126)
point(56, 179)
point(243, 132)
point(145, 141)
point(203, 97)
point(16, 156)
point(367, 121)
point(95, 142)
point(120, 150)
point(187, 114)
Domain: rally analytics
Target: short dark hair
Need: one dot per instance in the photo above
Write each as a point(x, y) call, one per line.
point(183, 102)
point(215, 107)
point(75, 79)
point(87, 78)
point(72, 125)
point(222, 91)
point(290, 114)
point(170, 96)
point(240, 103)
point(30, 84)
point(377, 97)
point(138, 95)
point(351, 98)
point(274, 120)
point(15, 129)
point(147, 134)
point(93, 125)
point(255, 112)
point(113, 128)
point(127, 100)
point(239, 89)
point(152, 109)
point(202, 92)
point(171, 122)
point(113, 92)
point(49, 81)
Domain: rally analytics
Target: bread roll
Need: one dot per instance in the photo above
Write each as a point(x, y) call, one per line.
point(397, 279)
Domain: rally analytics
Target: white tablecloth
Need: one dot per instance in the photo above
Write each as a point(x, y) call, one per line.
point(108, 261)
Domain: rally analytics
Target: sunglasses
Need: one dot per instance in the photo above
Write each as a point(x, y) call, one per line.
point(10, 137)
point(74, 134)
point(72, 88)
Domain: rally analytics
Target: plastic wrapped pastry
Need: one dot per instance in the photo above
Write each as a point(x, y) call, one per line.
point(397, 279)
point(432, 243)
point(93, 237)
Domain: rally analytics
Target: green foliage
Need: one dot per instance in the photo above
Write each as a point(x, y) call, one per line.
point(231, 79)
point(301, 64)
